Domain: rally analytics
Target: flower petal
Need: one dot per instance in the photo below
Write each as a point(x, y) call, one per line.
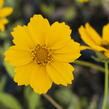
point(17, 57)
point(40, 82)
point(23, 73)
point(39, 28)
point(22, 37)
point(60, 73)
point(1, 3)
point(3, 21)
point(83, 0)
point(87, 39)
point(58, 36)
point(82, 47)
point(106, 53)
point(69, 53)
point(106, 32)
point(5, 11)
point(2, 27)
point(94, 36)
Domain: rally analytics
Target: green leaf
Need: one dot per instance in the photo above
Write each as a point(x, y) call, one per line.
point(63, 95)
point(3, 35)
point(67, 99)
point(33, 99)
point(47, 10)
point(93, 104)
point(10, 69)
point(2, 83)
point(70, 13)
point(9, 101)
point(75, 103)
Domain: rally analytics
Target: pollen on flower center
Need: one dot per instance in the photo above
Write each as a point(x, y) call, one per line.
point(41, 55)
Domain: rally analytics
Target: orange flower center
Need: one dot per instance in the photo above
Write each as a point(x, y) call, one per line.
point(41, 55)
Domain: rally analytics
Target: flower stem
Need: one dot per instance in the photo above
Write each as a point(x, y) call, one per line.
point(52, 101)
point(88, 64)
point(106, 86)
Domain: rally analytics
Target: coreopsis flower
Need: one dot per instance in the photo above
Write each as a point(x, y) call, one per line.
point(83, 0)
point(4, 12)
point(42, 53)
point(94, 40)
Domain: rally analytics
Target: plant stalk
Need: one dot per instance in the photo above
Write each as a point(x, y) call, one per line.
point(52, 101)
point(105, 86)
point(91, 65)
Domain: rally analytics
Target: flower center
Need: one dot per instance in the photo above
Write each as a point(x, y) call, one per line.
point(41, 55)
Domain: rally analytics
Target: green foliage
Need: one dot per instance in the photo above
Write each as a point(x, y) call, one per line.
point(15, 24)
point(47, 10)
point(3, 35)
point(66, 98)
point(100, 57)
point(2, 83)
point(70, 14)
point(11, 3)
point(93, 105)
point(32, 98)
point(10, 69)
point(9, 101)
point(63, 95)
point(96, 2)
point(69, 100)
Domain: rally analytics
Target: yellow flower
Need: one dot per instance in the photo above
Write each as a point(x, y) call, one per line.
point(83, 0)
point(94, 40)
point(4, 12)
point(42, 53)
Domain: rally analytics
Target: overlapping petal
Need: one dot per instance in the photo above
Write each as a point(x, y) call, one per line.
point(23, 74)
point(40, 81)
point(106, 53)
point(39, 28)
point(17, 57)
point(106, 33)
point(60, 73)
point(94, 36)
point(58, 35)
point(22, 38)
point(87, 38)
point(82, 47)
point(69, 53)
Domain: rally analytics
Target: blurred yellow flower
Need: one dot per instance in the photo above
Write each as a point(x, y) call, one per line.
point(83, 0)
point(94, 40)
point(42, 53)
point(4, 12)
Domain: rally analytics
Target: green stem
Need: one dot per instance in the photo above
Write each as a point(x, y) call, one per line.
point(88, 64)
point(51, 100)
point(106, 86)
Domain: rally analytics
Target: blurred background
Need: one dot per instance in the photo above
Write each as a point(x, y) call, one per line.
point(86, 91)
